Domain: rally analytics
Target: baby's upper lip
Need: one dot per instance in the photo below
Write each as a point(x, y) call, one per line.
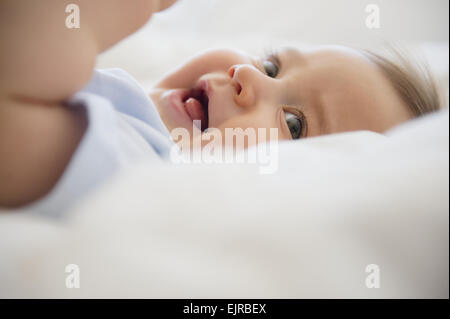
point(205, 86)
point(202, 87)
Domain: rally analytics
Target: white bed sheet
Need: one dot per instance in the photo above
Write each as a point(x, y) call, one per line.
point(336, 205)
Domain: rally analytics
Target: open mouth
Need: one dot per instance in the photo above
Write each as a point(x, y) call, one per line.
point(196, 103)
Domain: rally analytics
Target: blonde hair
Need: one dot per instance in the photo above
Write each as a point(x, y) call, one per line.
point(413, 81)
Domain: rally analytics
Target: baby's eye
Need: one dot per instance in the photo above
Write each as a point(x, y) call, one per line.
point(270, 68)
point(295, 125)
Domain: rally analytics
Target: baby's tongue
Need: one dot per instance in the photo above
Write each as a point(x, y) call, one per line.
point(195, 110)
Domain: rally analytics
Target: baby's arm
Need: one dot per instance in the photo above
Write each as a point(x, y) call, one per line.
point(42, 59)
point(42, 63)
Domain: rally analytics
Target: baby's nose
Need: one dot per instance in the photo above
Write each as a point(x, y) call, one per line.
point(241, 81)
point(234, 82)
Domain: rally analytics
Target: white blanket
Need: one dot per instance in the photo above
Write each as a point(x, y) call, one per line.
point(337, 205)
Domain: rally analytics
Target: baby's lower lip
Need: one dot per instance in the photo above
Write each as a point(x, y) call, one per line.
point(176, 102)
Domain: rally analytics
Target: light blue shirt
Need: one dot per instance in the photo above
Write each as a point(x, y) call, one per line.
point(123, 129)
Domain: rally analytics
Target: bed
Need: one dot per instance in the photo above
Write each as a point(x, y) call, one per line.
point(350, 215)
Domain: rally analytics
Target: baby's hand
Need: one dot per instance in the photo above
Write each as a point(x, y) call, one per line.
point(159, 5)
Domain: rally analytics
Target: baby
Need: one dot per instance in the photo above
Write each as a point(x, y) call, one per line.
point(64, 128)
point(301, 93)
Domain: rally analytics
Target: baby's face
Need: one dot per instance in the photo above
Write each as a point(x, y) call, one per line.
point(301, 93)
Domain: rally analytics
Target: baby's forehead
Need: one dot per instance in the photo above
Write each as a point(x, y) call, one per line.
point(330, 52)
